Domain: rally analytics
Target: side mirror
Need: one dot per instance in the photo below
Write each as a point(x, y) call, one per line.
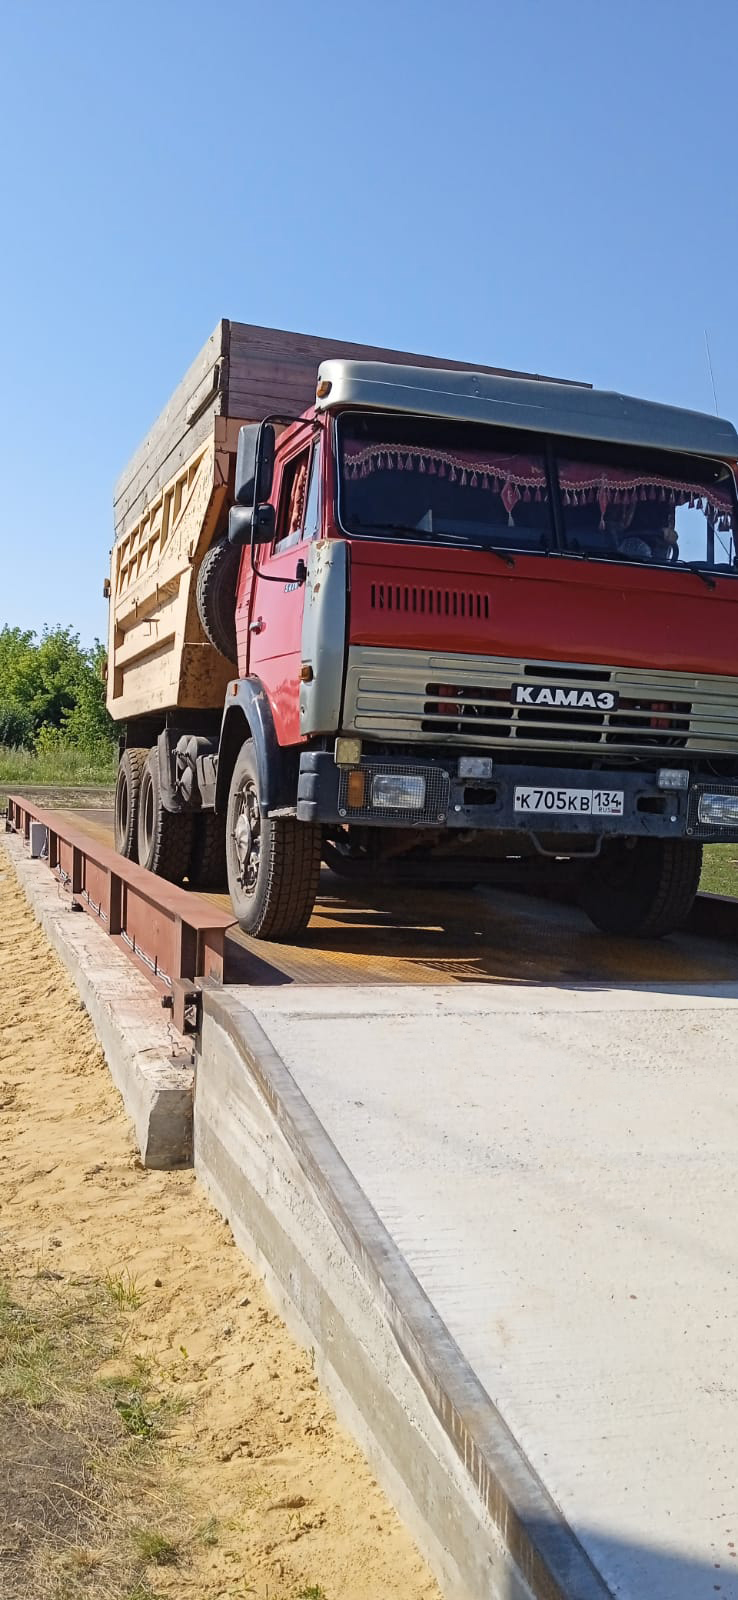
point(263, 524)
point(239, 524)
point(254, 476)
point(251, 524)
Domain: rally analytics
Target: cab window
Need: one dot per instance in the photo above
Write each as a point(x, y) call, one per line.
point(299, 513)
point(292, 501)
point(312, 503)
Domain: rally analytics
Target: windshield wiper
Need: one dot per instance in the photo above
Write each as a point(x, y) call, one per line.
point(502, 555)
point(694, 566)
point(422, 535)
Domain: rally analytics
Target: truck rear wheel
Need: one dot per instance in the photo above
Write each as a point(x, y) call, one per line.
point(208, 858)
point(273, 864)
point(215, 595)
point(127, 790)
point(644, 891)
point(164, 837)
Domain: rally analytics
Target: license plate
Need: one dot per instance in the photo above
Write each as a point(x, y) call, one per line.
point(580, 802)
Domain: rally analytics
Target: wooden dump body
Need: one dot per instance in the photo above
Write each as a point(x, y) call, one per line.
point(172, 501)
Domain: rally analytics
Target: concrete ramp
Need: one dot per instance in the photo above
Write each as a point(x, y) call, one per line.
point(504, 1219)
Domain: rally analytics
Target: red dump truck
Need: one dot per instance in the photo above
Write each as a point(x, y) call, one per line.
point(423, 623)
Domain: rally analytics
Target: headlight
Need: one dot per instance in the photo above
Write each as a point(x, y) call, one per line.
point(719, 809)
point(397, 791)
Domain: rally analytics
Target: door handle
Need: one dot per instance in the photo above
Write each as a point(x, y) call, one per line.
point(258, 626)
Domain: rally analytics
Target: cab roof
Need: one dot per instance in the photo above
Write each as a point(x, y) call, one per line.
point(532, 403)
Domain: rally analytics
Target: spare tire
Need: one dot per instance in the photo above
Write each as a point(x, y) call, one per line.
point(216, 596)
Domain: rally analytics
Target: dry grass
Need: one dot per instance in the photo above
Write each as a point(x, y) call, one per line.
point(88, 1508)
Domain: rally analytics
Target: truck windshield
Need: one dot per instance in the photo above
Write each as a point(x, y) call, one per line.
point(442, 482)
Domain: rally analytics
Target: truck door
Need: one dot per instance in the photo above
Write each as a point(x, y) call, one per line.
point(275, 626)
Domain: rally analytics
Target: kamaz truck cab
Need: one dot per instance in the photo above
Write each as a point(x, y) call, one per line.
point(486, 631)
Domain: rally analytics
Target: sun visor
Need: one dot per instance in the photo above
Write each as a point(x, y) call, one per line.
point(570, 410)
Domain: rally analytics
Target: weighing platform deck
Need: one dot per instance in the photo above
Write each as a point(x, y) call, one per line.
point(557, 1169)
point(440, 937)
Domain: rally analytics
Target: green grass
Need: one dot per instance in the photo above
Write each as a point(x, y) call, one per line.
point(155, 1548)
point(720, 870)
point(64, 767)
point(123, 1290)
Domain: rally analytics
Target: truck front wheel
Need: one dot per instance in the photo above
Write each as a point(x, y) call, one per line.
point(127, 790)
point(273, 864)
point(164, 837)
point(644, 890)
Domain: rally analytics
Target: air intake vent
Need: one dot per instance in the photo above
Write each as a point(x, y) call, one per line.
point(430, 602)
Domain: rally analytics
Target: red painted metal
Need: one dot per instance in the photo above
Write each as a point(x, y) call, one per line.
point(270, 644)
point(170, 933)
point(547, 608)
point(251, 595)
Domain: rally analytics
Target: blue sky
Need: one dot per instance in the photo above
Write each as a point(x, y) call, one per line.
point(543, 184)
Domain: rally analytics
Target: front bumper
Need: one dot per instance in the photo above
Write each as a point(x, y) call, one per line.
point(488, 804)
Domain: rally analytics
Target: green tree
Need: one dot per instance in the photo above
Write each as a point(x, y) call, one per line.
point(51, 689)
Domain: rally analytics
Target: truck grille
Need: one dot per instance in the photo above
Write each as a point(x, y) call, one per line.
point(459, 699)
point(425, 601)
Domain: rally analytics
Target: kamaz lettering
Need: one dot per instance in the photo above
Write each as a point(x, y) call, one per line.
point(530, 694)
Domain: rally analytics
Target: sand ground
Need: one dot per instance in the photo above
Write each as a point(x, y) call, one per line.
point(257, 1447)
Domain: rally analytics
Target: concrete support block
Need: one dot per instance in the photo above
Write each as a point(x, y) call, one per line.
point(37, 840)
point(148, 1061)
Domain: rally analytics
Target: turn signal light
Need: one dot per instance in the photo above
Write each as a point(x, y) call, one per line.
point(355, 789)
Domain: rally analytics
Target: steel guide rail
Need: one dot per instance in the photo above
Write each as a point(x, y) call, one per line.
point(172, 935)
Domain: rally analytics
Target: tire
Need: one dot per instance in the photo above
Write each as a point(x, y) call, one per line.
point(208, 858)
point(215, 594)
point(646, 891)
point(273, 865)
point(164, 837)
point(127, 790)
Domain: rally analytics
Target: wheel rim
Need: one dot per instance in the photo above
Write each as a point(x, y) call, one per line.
point(247, 837)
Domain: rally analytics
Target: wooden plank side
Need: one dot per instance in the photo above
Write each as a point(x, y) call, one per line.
point(152, 477)
point(274, 366)
point(244, 371)
point(275, 345)
point(158, 440)
point(252, 344)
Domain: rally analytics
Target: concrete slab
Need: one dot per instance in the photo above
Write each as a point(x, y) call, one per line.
point(148, 1061)
point(558, 1171)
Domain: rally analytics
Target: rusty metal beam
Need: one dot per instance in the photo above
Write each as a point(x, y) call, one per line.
point(170, 933)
